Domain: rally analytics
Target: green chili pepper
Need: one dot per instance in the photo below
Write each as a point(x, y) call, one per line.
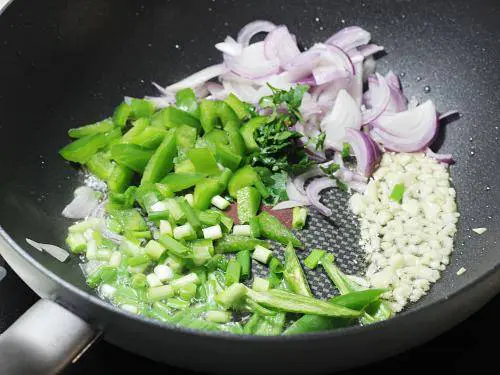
point(204, 161)
point(172, 117)
point(231, 243)
point(272, 229)
point(131, 156)
point(248, 203)
point(186, 100)
point(294, 274)
point(91, 129)
point(162, 160)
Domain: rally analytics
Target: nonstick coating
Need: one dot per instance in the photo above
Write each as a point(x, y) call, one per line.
point(66, 63)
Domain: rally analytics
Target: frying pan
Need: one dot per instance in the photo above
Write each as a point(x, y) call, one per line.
point(64, 63)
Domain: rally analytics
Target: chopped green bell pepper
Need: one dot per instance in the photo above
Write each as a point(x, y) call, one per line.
point(100, 165)
point(141, 108)
point(150, 137)
point(122, 114)
point(204, 161)
point(213, 112)
point(162, 160)
point(181, 181)
point(205, 190)
point(120, 178)
point(248, 129)
point(132, 156)
point(172, 117)
point(185, 136)
point(186, 100)
point(228, 147)
point(246, 176)
point(82, 149)
point(91, 129)
point(184, 166)
point(137, 128)
point(248, 203)
point(240, 108)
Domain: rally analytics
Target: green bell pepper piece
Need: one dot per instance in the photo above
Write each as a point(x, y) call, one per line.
point(240, 108)
point(191, 216)
point(209, 217)
point(228, 147)
point(122, 114)
point(186, 100)
point(213, 112)
point(181, 181)
point(246, 176)
point(132, 156)
point(162, 160)
point(232, 243)
point(184, 166)
point(272, 229)
point(150, 137)
point(172, 117)
point(100, 165)
point(248, 129)
point(137, 128)
point(294, 274)
point(82, 149)
point(129, 219)
point(120, 179)
point(225, 177)
point(248, 203)
point(185, 136)
point(91, 129)
point(204, 161)
point(205, 190)
point(141, 108)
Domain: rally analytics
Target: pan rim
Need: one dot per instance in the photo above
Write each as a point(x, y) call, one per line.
point(346, 331)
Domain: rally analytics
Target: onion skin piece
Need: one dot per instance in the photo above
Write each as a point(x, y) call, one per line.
point(313, 190)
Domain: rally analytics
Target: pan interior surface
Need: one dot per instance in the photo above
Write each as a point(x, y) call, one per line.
point(76, 63)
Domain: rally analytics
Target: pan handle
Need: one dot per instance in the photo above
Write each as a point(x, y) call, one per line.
point(45, 339)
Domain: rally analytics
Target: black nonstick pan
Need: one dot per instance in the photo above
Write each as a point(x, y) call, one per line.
point(64, 62)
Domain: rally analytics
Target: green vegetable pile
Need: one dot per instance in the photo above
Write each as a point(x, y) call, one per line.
point(174, 255)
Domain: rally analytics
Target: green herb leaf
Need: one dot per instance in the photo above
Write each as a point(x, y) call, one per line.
point(320, 141)
point(330, 169)
point(342, 186)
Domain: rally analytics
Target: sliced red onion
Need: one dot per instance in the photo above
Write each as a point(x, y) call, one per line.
point(252, 63)
point(448, 114)
point(407, 131)
point(327, 74)
point(413, 103)
point(378, 97)
point(288, 204)
point(344, 114)
point(280, 45)
point(60, 254)
point(369, 66)
point(294, 194)
point(198, 78)
point(397, 101)
point(442, 158)
point(243, 91)
point(230, 47)
point(313, 193)
point(346, 175)
point(161, 101)
point(349, 38)
point(301, 179)
point(84, 202)
point(369, 49)
point(253, 28)
point(364, 149)
point(356, 87)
